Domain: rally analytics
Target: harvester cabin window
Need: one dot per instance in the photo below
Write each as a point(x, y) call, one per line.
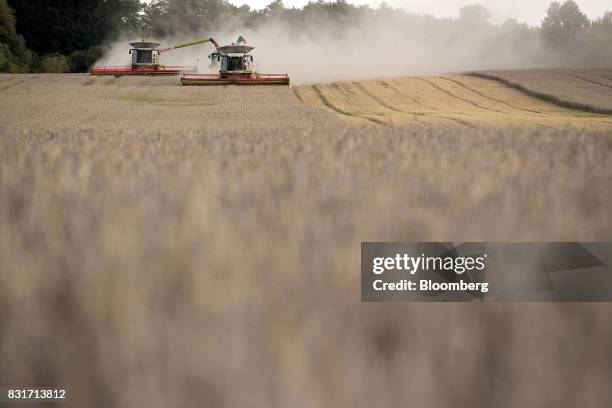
point(234, 64)
point(145, 56)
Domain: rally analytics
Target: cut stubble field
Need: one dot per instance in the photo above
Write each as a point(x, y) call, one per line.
point(167, 246)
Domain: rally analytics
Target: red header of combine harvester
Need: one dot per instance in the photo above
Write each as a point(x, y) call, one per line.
point(150, 70)
point(235, 79)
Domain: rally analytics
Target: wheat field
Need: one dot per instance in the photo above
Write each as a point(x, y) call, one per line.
point(454, 99)
point(70, 102)
point(166, 246)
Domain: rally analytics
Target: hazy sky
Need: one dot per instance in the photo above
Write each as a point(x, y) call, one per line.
point(529, 11)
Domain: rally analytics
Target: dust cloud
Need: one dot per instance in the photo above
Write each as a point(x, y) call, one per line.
point(374, 48)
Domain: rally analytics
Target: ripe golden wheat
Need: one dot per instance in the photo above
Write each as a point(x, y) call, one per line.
point(162, 254)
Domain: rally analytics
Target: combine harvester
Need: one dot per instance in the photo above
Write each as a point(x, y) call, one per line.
point(236, 68)
point(146, 60)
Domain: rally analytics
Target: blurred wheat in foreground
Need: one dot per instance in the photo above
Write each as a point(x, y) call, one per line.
point(222, 269)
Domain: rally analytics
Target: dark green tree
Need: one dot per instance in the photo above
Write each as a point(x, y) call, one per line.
point(14, 55)
point(64, 26)
point(164, 18)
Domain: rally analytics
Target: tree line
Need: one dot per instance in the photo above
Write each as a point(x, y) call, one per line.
point(70, 35)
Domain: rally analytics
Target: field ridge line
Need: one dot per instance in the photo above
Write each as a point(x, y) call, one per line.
point(333, 107)
point(489, 97)
point(546, 97)
point(460, 121)
point(18, 83)
point(348, 94)
point(297, 94)
point(340, 89)
point(449, 93)
point(587, 80)
point(602, 75)
point(376, 98)
point(399, 91)
point(382, 102)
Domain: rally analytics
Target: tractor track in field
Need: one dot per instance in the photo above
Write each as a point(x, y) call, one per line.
point(416, 115)
point(348, 93)
point(386, 105)
point(591, 81)
point(490, 97)
point(297, 95)
point(603, 76)
point(399, 91)
point(382, 102)
point(340, 89)
point(541, 125)
point(376, 98)
point(503, 102)
point(17, 83)
point(452, 95)
point(333, 107)
point(460, 121)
